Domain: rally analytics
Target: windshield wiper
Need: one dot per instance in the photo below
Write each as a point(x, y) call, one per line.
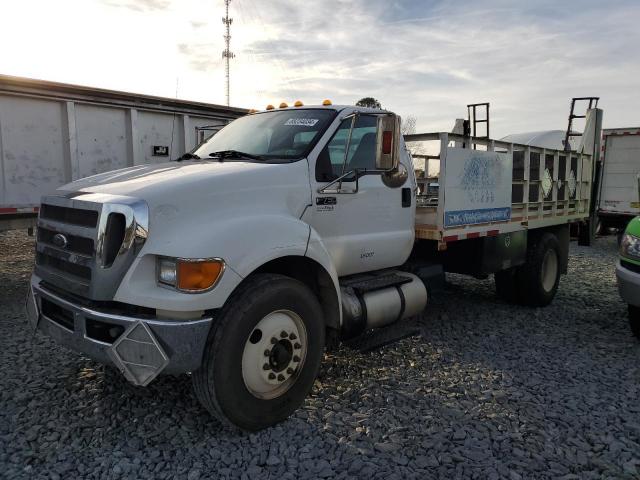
point(222, 154)
point(188, 156)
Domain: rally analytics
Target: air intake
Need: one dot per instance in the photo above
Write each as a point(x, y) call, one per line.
point(113, 238)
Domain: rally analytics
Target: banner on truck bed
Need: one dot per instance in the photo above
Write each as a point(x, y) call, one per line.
point(477, 187)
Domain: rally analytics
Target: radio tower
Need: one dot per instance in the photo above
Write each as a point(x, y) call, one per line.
point(226, 53)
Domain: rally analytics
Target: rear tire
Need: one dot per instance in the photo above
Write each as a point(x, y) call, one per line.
point(539, 277)
point(586, 233)
point(634, 320)
point(507, 285)
point(272, 326)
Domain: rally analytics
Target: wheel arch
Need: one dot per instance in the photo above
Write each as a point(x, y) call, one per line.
point(313, 275)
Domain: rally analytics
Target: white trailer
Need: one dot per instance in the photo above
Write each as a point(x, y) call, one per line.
point(54, 133)
point(619, 198)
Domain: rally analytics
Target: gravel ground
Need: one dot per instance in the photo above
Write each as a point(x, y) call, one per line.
point(488, 390)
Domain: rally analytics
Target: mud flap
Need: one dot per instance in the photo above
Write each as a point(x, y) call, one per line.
point(138, 354)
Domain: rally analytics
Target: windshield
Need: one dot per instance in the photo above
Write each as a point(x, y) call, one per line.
point(286, 135)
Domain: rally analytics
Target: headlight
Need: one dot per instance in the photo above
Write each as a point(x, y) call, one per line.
point(167, 271)
point(630, 246)
point(190, 274)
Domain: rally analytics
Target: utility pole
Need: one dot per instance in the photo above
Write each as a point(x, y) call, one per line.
point(226, 53)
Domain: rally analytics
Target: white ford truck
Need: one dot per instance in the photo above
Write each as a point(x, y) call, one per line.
point(288, 230)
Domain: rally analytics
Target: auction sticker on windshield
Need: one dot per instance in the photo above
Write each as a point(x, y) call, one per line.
point(302, 122)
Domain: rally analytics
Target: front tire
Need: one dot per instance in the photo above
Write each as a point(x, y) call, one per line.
point(634, 320)
point(262, 354)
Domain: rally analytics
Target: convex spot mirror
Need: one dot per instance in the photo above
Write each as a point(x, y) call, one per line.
point(388, 142)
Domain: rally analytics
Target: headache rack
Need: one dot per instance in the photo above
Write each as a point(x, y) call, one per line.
point(492, 187)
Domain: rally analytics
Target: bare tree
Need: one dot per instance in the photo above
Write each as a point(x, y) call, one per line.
point(408, 125)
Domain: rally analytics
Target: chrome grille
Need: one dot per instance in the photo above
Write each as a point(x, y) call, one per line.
point(74, 216)
point(86, 242)
point(75, 243)
point(52, 259)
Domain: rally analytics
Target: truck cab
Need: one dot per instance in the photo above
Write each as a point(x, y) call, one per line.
point(228, 263)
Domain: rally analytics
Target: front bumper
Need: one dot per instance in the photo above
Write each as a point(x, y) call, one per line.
point(140, 347)
point(628, 285)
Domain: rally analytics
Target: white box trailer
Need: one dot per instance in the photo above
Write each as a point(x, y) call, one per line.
point(619, 199)
point(54, 133)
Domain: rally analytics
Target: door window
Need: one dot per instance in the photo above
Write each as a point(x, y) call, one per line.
point(362, 149)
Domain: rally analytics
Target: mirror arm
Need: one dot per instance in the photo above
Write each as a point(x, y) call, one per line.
point(359, 172)
point(339, 179)
point(353, 116)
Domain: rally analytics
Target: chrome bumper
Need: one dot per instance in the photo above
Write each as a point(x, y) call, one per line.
point(628, 285)
point(141, 348)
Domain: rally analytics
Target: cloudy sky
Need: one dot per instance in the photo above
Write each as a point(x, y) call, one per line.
point(423, 58)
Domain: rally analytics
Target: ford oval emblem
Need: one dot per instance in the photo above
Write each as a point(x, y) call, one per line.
point(60, 241)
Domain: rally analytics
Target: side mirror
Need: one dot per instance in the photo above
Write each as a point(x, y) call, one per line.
point(388, 142)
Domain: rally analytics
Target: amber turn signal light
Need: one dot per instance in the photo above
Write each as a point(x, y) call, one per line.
point(198, 275)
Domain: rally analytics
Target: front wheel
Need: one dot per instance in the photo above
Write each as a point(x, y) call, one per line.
point(263, 353)
point(634, 320)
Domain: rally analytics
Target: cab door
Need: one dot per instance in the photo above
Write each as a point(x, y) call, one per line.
point(372, 228)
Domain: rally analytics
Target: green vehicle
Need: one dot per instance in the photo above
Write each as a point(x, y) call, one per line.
point(628, 273)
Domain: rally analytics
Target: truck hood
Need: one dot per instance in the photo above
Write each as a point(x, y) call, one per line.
point(206, 188)
point(147, 181)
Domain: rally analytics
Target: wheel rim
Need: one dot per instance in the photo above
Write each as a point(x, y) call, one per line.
point(274, 354)
point(549, 270)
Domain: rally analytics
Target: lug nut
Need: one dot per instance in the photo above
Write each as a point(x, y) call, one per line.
point(267, 353)
point(296, 358)
point(266, 366)
point(283, 334)
point(297, 346)
point(272, 376)
point(280, 378)
point(274, 340)
point(292, 336)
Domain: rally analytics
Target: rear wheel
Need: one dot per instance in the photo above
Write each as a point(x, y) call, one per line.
point(539, 277)
point(263, 353)
point(634, 320)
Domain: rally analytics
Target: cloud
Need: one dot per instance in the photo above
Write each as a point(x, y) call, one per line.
point(424, 58)
point(419, 57)
point(140, 5)
point(201, 57)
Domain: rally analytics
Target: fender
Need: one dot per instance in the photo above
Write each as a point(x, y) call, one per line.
point(317, 251)
point(244, 243)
